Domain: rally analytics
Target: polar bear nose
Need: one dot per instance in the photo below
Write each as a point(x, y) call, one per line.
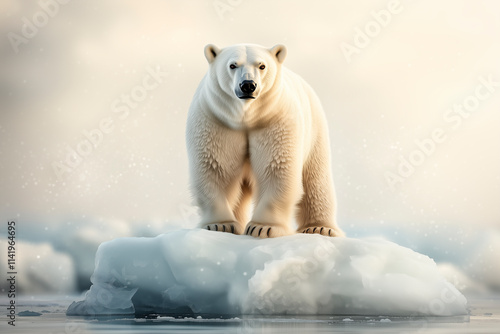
point(248, 86)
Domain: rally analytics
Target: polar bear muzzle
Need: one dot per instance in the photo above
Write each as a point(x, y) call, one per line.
point(247, 88)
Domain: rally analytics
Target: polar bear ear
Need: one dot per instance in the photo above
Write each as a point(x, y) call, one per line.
point(211, 51)
point(279, 51)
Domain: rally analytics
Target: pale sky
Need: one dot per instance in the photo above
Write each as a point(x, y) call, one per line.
point(84, 68)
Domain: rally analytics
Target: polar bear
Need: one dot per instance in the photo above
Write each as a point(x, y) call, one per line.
point(257, 131)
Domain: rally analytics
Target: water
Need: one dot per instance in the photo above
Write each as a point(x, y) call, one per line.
point(484, 317)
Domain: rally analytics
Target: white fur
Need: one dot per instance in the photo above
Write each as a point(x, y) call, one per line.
point(273, 148)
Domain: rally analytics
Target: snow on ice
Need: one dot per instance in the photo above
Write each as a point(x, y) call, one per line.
point(200, 272)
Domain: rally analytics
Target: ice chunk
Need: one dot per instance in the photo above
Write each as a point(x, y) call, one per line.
point(29, 314)
point(199, 272)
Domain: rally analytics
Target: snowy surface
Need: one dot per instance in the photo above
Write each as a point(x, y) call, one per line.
point(210, 273)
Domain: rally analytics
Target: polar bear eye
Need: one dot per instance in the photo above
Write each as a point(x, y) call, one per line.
point(261, 67)
point(232, 66)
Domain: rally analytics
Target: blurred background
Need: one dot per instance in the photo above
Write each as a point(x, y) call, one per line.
point(94, 98)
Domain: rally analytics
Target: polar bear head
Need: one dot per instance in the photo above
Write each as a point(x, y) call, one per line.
point(245, 71)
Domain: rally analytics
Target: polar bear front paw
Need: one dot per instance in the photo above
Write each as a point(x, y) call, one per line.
point(229, 226)
point(323, 230)
point(264, 231)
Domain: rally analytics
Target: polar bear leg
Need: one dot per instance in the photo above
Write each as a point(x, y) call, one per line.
point(241, 209)
point(316, 214)
point(217, 157)
point(275, 157)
